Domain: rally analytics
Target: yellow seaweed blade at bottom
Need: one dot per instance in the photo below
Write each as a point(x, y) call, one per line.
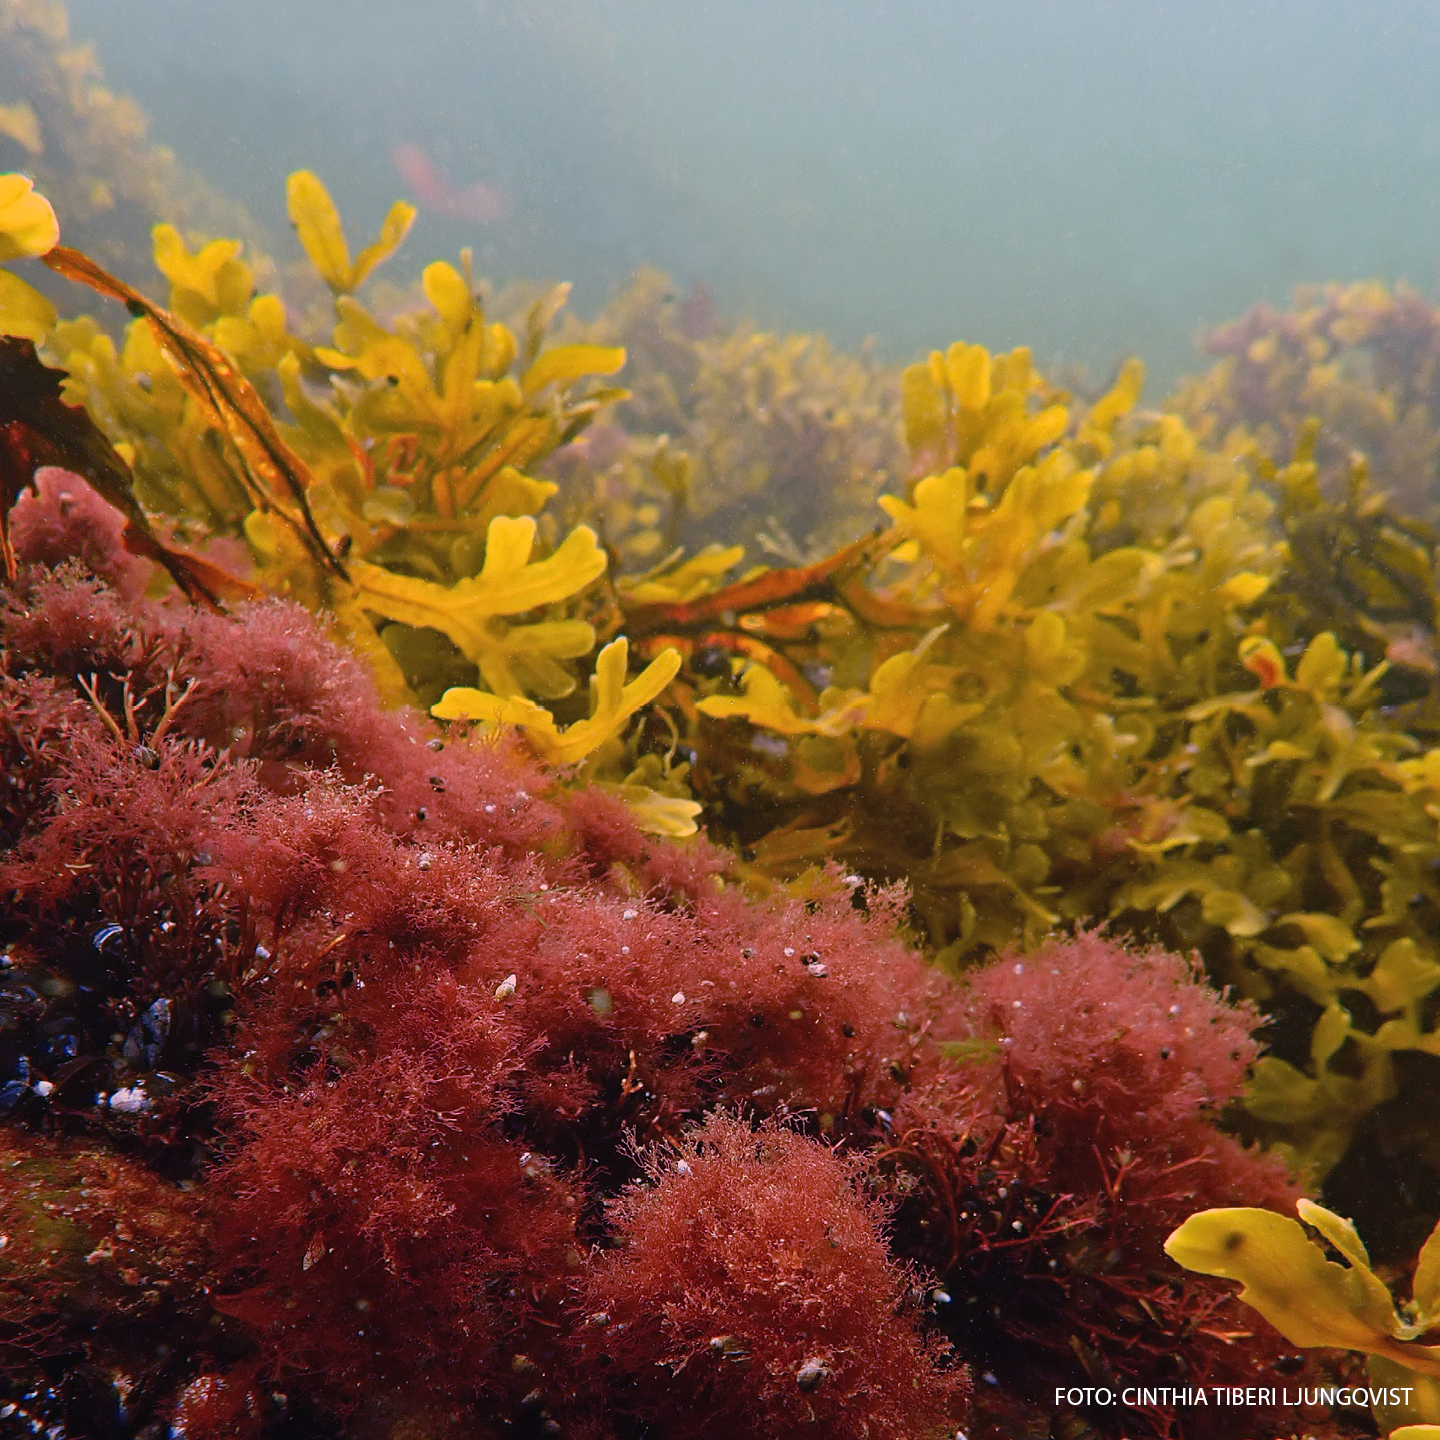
point(1416, 1416)
point(1310, 1300)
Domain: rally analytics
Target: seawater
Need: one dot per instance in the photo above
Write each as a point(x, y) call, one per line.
point(1093, 178)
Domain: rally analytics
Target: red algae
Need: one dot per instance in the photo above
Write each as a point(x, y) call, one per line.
point(433, 1062)
point(1042, 1177)
point(751, 1293)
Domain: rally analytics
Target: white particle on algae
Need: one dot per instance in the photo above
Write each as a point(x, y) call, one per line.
point(678, 998)
point(629, 914)
point(506, 988)
point(683, 1168)
point(130, 1101)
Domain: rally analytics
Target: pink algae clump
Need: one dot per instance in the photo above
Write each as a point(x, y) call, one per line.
point(1046, 1185)
point(751, 1290)
point(1121, 1050)
point(65, 520)
point(394, 1234)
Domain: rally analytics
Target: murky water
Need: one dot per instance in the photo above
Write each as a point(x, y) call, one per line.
point(1092, 179)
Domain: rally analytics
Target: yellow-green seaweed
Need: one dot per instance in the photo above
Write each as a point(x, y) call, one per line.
point(1313, 1301)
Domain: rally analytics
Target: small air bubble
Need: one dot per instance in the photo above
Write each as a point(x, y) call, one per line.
point(1020, 968)
point(489, 809)
point(624, 949)
point(678, 998)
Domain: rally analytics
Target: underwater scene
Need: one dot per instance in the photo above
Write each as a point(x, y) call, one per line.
point(719, 722)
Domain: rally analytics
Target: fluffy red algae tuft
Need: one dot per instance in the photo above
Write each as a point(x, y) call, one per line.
point(450, 1061)
point(63, 519)
point(751, 1293)
point(1041, 1179)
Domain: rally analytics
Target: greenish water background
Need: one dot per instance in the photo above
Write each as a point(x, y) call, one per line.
point(1090, 177)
